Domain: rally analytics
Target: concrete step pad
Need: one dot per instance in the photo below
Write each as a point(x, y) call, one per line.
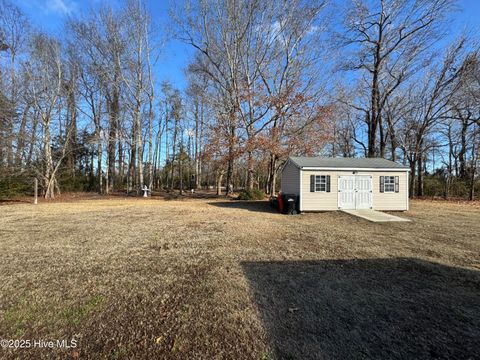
point(374, 216)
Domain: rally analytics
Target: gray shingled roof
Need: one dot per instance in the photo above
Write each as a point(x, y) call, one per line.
point(357, 163)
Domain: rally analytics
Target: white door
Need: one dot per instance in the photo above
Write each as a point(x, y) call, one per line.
point(346, 192)
point(363, 195)
point(355, 192)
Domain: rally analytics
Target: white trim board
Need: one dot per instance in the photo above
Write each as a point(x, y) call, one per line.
point(300, 207)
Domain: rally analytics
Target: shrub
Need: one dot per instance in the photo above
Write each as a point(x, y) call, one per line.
point(433, 187)
point(80, 182)
point(12, 186)
point(253, 194)
point(459, 188)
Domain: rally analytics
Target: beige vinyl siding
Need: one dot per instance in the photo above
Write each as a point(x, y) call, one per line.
point(320, 201)
point(390, 201)
point(290, 180)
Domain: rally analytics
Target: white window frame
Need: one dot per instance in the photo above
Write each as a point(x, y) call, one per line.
point(390, 181)
point(322, 181)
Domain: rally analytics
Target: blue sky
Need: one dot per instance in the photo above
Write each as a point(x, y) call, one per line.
point(49, 15)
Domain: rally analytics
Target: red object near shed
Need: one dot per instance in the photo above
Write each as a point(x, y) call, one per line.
point(281, 204)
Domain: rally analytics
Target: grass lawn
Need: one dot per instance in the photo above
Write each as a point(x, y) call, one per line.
point(219, 279)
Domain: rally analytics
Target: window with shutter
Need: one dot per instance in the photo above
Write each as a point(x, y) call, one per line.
point(389, 184)
point(322, 183)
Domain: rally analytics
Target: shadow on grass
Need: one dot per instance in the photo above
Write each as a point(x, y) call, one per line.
point(257, 206)
point(368, 309)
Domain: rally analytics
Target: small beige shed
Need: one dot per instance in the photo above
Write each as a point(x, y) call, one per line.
point(346, 183)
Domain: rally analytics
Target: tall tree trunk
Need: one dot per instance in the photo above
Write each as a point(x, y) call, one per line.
point(47, 153)
point(107, 189)
point(156, 158)
point(99, 168)
point(139, 145)
point(274, 178)
point(271, 174)
point(150, 144)
point(372, 116)
point(372, 133)
point(180, 167)
point(411, 178)
point(10, 120)
point(231, 145)
point(33, 136)
point(72, 111)
point(21, 137)
point(121, 159)
point(200, 147)
point(420, 174)
point(98, 134)
point(112, 137)
point(383, 138)
point(196, 145)
point(167, 148)
point(249, 184)
point(9, 141)
point(174, 140)
point(219, 178)
point(463, 149)
point(473, 165)
point(133, 159)
point(92, 168)
point(393, 148)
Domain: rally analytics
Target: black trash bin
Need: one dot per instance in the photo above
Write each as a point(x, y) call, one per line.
point(290, 204)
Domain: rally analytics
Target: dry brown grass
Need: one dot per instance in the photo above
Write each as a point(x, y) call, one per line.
point(219, 279)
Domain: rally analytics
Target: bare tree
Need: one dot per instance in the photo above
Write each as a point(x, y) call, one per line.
point(217, 30)
point(466, 108)
point(14, 32)
point(430, 102)
point(46, 71)
point(390, 40)
point(197, 96)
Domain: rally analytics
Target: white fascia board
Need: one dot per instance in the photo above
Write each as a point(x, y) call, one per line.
point(300, 206)
point(408, 191)
point(352, 169)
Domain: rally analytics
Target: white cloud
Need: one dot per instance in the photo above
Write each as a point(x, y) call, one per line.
point(313, 29)
point(64, 7)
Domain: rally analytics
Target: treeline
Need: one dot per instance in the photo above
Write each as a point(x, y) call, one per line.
point(268, 79)
point(419, 98)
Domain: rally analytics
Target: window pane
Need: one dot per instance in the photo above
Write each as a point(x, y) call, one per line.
point(320, 183)
point(389, 184)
